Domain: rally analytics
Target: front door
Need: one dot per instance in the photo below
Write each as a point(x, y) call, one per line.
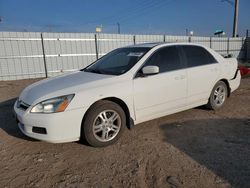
point(156, 95)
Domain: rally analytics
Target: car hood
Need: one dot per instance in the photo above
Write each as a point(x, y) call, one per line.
point(61, 85)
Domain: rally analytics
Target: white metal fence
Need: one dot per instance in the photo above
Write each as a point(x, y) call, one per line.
point(32, 55)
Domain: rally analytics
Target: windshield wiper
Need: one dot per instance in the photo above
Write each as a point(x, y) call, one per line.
point(94, 71)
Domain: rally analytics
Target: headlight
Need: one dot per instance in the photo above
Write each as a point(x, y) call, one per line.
point(57, 104)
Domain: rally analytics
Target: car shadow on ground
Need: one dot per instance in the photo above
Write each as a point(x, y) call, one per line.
point(8, 122)
point(221, 145)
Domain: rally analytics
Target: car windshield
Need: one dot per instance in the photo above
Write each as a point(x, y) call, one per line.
point(118, 61)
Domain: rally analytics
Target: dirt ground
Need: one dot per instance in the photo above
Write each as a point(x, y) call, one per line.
point(194, 148)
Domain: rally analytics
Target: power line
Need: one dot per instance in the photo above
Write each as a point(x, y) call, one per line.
point(136, 15)
point(228, 1)
point(131, 13)
point(120, 11)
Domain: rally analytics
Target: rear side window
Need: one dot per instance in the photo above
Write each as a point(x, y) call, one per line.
point(167, 59)
point(197, 56)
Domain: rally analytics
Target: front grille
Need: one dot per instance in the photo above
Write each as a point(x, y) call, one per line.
point(22, 105)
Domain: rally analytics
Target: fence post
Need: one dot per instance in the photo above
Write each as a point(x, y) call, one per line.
point(96, 47)
point(247, 47)
point(210, 42)
point(164, 38)
point(228, 43)
point(243, 47)
point(134, 41)
point(44, 57)
point(189, 39)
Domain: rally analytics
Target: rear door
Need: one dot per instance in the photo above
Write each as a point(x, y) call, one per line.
point(202, 73)
point(158, 94)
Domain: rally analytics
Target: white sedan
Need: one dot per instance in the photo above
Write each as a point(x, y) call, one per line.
point(127, 86)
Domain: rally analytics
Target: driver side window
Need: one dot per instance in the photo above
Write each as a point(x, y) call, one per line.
point(167, 59)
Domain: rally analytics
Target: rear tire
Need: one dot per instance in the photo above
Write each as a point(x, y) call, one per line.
point(103, 124)
point(218, 96)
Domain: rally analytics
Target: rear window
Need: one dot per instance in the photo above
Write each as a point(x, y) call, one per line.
point(197, 56)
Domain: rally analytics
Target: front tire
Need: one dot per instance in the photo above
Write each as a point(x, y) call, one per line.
point(218, 96)
point(103, 124)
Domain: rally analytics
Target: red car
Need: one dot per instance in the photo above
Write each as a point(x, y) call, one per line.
point(244, 71)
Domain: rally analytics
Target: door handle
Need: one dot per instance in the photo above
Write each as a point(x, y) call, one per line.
point(181, 77)
point(213, 69)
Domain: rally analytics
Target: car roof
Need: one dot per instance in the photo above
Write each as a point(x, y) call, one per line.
point(154, 44)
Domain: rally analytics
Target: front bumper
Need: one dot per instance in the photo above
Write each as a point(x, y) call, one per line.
point(55, 127)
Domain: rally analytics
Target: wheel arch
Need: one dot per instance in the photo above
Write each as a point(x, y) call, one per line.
point(228, 86)
point(121, 103)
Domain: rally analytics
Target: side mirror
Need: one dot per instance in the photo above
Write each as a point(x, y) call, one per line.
point(150, 70)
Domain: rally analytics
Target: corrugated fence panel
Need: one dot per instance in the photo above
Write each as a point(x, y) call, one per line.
point(220, 45)
point(109, 42)
point(66, 52)
point(21, 53)
point(236, 47)
point(170, 38)
point(148, 38)
point(20, 56)
point(206, 41)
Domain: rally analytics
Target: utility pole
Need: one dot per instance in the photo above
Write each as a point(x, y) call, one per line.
point(236, 10)
point(118, 27)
